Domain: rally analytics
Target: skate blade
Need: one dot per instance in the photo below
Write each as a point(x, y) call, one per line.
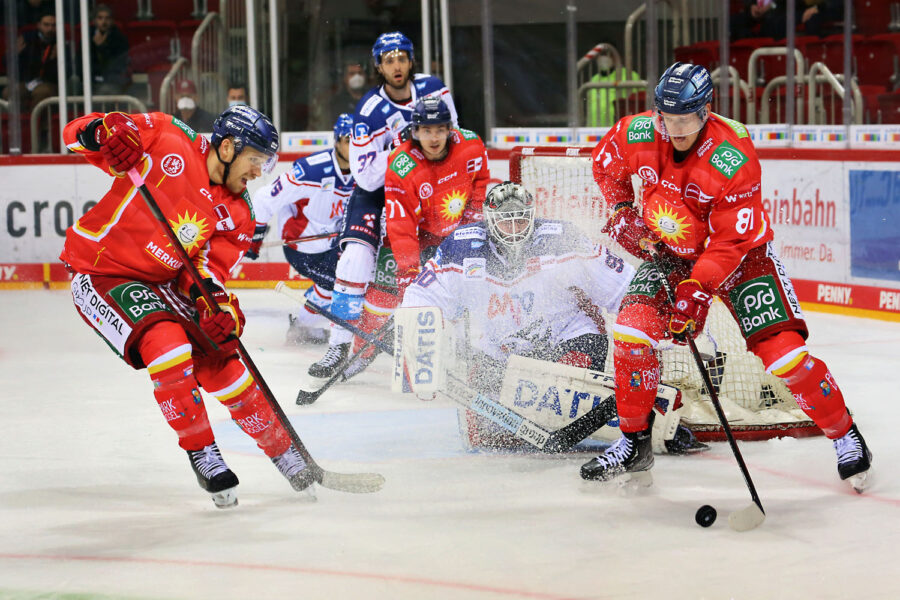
point(747, 518)
point(632, 483)
point(226, 498)
point(860, 481)
point(308, 494)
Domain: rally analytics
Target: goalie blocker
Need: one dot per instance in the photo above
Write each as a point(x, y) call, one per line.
point(545, 404)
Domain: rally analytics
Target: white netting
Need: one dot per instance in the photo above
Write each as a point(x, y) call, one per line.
point(757, 404)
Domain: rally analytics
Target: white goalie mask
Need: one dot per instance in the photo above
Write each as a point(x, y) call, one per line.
point(509, 213)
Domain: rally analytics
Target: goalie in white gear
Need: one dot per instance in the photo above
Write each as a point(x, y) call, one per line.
point(518, 285)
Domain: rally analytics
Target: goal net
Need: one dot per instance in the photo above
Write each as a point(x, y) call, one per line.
point(758, 405)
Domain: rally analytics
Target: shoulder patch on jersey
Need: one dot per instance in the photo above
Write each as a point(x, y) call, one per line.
point(549, 229)
point(370, 105)
point(474, 267)
point(467, 134)
point(403, 164)
point(246, 196)
point(641, 130)
point(185, 128)
point(319, 158)
point(470, 233)
point(739, 128)
point(727, 159)
point(327, 184)
point(298, 169)
point(361, 132)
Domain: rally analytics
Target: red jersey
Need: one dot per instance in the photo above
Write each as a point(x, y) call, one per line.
point(706, 208)
point(119, 236)
point(425, 200)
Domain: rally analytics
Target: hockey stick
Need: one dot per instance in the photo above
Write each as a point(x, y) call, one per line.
point(751, 516)
point(524, 428)
point(300, 240)
point(304, 397)
point(345, 482)
point(384, 346)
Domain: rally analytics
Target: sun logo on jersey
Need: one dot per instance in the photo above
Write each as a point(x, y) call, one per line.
point(670, 226)
point(453, 205)
point(190, 230)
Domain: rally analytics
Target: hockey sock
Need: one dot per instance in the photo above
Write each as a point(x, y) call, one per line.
point(378, 308)
point(165, 350)
point(307, 317)
point(236, 389)
point(812, 384)
point(637, 379)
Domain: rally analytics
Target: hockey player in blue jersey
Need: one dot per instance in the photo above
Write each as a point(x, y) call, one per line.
point(309, 201)
point(379, 125)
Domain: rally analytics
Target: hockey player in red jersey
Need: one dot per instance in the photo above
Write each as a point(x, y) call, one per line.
point(701, 203)
point(434, 182)
point(133, 290)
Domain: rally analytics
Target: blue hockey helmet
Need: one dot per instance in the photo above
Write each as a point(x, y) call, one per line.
point(390, 42)
point(247, 127)
point(431, 110)
point(343, 127)
point(684, 88)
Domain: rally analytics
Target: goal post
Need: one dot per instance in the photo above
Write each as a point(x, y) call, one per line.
point(758, 405)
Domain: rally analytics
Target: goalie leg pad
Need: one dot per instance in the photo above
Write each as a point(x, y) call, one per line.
point(418, 350)
point(166, 351)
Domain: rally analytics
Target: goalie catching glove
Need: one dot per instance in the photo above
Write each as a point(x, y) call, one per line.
point(225, 324)
point(690, 310)
point(120, 142)
point(628, 229)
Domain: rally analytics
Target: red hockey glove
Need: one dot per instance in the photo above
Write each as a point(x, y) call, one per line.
point(256, 242)
point(406, 277)
point(120, 142)
point(225, 323)
point(690, 310)
point(628, 229)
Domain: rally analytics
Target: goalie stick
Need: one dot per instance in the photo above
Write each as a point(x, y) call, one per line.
point(751, 516)
point(525, 429)
point(344, 482)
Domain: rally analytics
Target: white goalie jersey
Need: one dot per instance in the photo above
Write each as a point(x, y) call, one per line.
point(538, 302)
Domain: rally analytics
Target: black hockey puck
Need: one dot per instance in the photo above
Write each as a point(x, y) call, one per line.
point(706, 516)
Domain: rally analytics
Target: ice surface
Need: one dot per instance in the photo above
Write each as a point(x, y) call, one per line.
point(96, 498)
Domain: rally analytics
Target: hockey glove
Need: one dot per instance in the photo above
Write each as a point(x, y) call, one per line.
point(256, 242)
point(628, 229)
point(690, 310)
point(120, 142)
point(229, 321)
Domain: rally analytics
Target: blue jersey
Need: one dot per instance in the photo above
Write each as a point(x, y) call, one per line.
point(309, 199)
point(514, 308)
point(378, 123)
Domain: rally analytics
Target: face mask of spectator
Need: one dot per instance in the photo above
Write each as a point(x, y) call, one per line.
point(356, 81)
point(605, 63)
point(186, 103)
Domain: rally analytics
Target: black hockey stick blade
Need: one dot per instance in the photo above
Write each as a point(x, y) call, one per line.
point(576, 431)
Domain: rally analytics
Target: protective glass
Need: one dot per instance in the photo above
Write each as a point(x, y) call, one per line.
point(265, 162)
point(679, 125)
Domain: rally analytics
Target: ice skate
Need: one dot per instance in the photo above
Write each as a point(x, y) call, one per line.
point(627, 461)
point(296, 471)
point(214, 475)
point(854, 458)
point(331, 362)
point(302, 334)
point(684, 442)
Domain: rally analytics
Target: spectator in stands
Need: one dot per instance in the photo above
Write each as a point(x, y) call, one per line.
point(760, 18)
point(189, 111)
point(29, 11)
point(237, 94)
point(37, 63)
point(817, 16)
point(355, 82)
point(601, 102)
point(109, 54)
